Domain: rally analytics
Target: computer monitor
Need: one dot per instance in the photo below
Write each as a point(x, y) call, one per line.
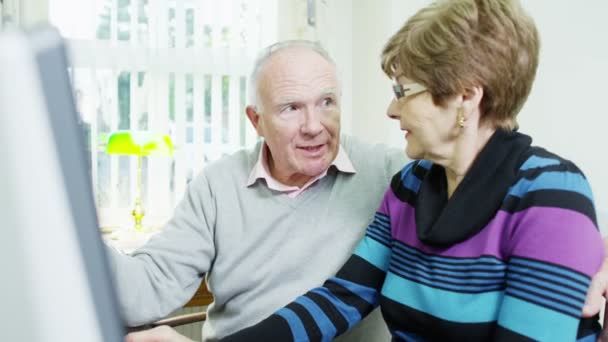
point(55, 283)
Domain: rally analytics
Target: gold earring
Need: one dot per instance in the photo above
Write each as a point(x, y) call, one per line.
point(461, 118)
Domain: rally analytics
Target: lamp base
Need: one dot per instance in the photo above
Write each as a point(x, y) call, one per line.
point(138, 215)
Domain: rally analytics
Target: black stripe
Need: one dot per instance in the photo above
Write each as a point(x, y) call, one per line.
point(419, 171)
point(401, 192)
point(311, 327)
point(360, 271)
point(589, 326)
point(507, 335)
point(457, 287)
point(384, 229)
point(382, 217)
point(515, 261)
point(432, 274)
point(533, 301)
point(489, 259)
point(535, 296)
point(551, 198)
point(432, 328)
point(274, 328)
point(376, 238)
point(541, 279)
point(533, 173)
point(414, 263)
point(349, 298)
point(330, 311)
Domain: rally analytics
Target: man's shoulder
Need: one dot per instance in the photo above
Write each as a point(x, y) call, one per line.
point(377, 156)
point(235, 165)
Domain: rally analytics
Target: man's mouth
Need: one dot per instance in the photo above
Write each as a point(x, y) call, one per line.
point(312, 149)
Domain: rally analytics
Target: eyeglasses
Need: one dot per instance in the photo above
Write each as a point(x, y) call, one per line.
point(407, 90)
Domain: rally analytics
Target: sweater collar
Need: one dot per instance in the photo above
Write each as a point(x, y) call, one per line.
point(442, 222)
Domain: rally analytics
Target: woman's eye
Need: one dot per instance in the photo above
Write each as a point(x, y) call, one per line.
point(328, 101)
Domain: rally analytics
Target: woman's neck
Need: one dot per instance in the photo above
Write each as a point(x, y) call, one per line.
point(465, 151)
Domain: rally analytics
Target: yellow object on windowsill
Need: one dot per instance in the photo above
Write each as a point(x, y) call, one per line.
point(140, 144)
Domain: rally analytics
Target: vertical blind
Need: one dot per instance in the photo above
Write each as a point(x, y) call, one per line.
point(174, 66)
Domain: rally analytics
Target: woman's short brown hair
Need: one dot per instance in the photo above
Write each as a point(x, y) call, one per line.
point(453, 45)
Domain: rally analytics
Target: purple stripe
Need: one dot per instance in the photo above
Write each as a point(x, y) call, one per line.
point(560, 236)
point(555, 235)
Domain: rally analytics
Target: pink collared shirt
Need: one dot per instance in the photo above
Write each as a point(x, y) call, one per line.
point(260, 170)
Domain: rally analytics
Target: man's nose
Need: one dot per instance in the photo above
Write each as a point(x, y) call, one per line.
point(311, 124)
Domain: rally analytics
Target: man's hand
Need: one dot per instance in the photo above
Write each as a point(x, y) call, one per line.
point(598, 291)
point(158, 334)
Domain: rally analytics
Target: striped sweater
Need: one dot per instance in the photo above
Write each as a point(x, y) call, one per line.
point(444, 270)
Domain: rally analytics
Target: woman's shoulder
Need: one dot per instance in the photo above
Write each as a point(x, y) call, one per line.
point(545, 179)
point(410, 177)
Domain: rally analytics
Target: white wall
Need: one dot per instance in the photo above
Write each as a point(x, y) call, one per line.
point(566, 111)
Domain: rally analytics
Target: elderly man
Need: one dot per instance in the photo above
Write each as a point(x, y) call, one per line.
point(266, 224)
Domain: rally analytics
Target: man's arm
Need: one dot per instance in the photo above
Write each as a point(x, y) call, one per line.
point(158, 334)
point(163, 274)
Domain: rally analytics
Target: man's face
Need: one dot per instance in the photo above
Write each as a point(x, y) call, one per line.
point(300, 114)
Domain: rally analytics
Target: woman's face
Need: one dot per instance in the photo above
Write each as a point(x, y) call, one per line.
point(430, 130)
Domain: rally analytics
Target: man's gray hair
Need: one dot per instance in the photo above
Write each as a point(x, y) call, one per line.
point(264, 55)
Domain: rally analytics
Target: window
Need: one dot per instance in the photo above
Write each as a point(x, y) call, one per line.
point(175, 66)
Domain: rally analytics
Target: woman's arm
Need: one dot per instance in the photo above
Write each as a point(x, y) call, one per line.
point(555, 248)
point(330, 310)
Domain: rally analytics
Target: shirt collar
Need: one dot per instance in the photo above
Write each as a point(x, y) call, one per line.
point(260, 171)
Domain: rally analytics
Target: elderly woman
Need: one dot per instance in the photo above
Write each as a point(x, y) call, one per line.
point(483, 236)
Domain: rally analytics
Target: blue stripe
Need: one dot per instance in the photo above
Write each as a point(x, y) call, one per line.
point(374, 252)
point(456, 262)
point(382, 218)
point(425, 164)
point(451, 306)
point(295, 324)
point(537, 162)
point(374, 235)
point(407, 336)
point(368, 294)
point(384, 230)
point(519, 263)
point(447, 286)
point(381, 227)
point(589, 338)
point(518, 278)
point(350, 314)
point(437, 276)
point(326, 326)
point(415, 263)
point(546, 303)
point(557, 180)
point(408, 179)
point(537, 322)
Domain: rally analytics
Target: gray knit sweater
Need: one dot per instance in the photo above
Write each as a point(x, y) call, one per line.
point(258, 248)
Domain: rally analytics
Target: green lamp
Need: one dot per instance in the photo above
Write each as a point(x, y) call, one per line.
point(139, 143)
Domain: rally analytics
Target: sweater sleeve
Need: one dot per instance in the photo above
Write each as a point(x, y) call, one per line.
point(554, 249)
point(159, 277)
point(344, 300)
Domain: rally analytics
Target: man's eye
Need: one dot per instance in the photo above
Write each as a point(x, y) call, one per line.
point(289, 108)
point(328, 101)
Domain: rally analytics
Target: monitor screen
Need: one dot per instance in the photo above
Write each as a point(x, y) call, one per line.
point(58, 286)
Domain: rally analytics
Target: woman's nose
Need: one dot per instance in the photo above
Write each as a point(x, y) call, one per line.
point(393, 110)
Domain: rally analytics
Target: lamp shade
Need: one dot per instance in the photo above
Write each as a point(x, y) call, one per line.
point(141, 143)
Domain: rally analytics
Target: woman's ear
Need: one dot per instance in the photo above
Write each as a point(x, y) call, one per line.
point(471, 98)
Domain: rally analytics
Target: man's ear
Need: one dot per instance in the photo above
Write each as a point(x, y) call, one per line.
point(254, 118)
